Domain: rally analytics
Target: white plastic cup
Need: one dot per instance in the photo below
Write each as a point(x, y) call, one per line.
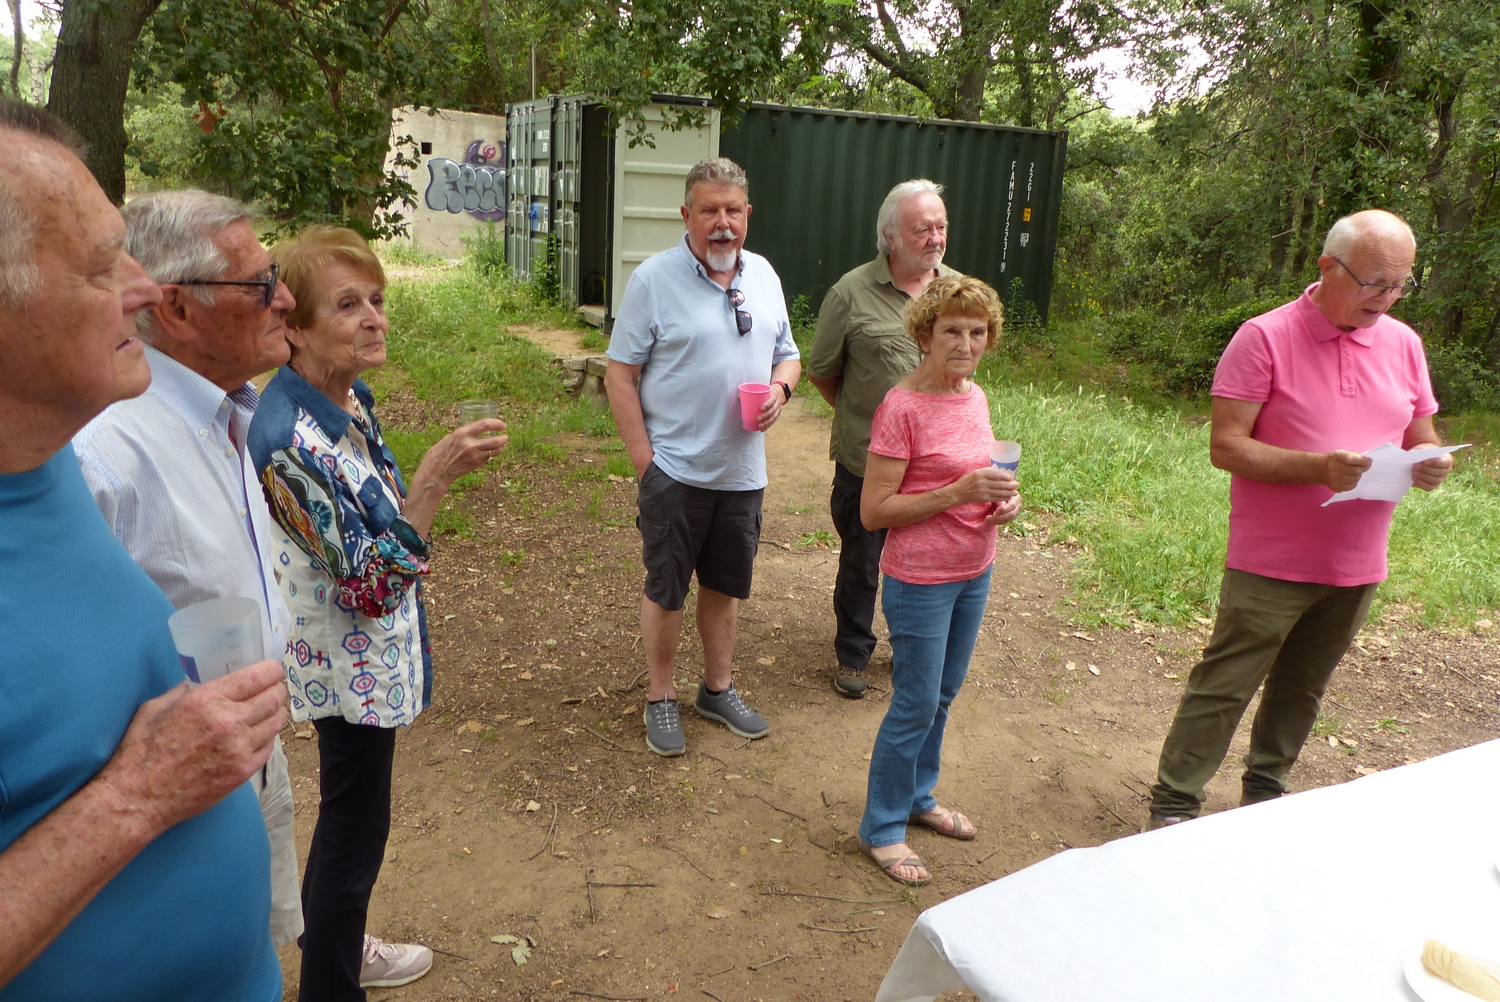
point(217, 637)
point(753, 397)
point(1005, 454)
point(477, 409)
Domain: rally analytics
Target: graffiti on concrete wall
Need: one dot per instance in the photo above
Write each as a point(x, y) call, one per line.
point(476, 186)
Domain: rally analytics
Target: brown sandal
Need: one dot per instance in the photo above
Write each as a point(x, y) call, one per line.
point(889, 866)
point(950, 824)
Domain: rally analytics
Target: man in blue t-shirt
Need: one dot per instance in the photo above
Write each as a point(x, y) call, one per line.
point(133, 861)
point(695, 323)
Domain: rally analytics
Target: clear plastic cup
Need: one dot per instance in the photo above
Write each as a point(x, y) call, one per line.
point(217, 637)
point(476, 409)
point(1005, 454)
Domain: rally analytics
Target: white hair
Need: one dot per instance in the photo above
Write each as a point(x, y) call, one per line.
point(718, 170)
point(1354, 229)
point(171, 234)
point(20, 278)
point(885, 220)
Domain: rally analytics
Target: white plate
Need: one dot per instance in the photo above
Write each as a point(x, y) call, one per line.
point(1431, 989)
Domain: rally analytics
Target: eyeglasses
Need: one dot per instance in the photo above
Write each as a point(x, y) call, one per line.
point(1406, 288)
point(742, 320)
point(267, 285)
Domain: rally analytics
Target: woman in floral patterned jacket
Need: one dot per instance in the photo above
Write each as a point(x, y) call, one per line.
point(350, 560)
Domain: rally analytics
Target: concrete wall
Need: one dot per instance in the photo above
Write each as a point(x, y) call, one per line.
point(459, 178)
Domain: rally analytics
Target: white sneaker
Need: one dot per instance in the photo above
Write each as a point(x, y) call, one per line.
point(387, 965)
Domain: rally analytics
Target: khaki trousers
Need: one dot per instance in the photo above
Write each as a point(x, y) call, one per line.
point(1289, 635)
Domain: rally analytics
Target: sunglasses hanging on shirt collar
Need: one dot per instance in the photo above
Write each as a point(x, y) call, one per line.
point(742, 320)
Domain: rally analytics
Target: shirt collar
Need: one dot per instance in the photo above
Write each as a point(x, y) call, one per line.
point(1322, 328)
point(331, 419)
point(883, 271)
point(190, 394)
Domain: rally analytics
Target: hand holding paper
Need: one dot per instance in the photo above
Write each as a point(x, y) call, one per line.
point(1390, 474)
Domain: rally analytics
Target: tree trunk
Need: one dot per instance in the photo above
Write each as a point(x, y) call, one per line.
point(89, 77)
point(19, 52)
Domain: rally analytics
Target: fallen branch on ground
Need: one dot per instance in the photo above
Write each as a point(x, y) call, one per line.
point(768, 963)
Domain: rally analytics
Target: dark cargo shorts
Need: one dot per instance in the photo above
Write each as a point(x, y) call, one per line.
point(686, 529)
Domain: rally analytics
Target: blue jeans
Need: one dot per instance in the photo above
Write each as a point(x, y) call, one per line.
point(933, 629)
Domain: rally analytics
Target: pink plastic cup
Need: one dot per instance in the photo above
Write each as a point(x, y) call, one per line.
point(752, 397)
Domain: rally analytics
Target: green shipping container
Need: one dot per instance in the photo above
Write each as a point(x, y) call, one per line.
point(594, 206)
point(817, 179)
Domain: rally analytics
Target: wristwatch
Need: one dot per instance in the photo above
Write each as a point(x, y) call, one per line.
point(784, 388)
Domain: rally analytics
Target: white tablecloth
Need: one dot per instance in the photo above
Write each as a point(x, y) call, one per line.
point(1322, 896)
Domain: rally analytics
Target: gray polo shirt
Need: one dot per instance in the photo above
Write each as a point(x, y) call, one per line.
point(861, 339)
point(678, 324)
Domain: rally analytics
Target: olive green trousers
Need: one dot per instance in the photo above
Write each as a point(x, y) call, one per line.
point(1289, 635)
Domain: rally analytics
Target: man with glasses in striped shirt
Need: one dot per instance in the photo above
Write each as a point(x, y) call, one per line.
point(170, 471)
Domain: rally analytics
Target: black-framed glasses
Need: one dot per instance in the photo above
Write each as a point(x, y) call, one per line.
point(742, 320)
point(1406, 288)
point(267, 285)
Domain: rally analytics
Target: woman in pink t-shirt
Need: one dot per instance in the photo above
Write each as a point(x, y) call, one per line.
point(930, 482)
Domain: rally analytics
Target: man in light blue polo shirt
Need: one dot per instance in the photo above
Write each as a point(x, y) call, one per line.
point(696, 322)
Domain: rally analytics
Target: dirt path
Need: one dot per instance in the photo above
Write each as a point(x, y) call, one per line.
point(527, 806)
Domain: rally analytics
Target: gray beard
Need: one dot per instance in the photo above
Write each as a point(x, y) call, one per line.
point(722, 260)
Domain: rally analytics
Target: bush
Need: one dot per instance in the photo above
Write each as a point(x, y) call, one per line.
point(484, 251)
point(1461, 379)
point(1180, 351)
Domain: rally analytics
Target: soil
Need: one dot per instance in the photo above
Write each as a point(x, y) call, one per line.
point(545, 854)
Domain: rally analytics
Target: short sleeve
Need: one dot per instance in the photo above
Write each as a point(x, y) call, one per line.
point(890, 429)
point(634, 332)
point(1426, 401)
point(1245, 370)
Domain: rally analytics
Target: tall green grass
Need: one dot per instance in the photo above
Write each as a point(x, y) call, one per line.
point(1135, 488)
point(449, 340)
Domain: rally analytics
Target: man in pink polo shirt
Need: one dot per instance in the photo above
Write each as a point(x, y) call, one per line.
point(1299, 394)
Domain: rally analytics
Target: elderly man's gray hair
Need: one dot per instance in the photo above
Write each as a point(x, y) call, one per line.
point(20, 279)
point(1354, 229)
point(885, 220)
point(719, 170)
point(171, 233)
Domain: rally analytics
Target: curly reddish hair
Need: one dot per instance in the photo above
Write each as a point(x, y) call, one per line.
point(958, 295)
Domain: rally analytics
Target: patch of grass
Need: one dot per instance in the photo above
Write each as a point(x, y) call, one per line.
point(1389, 725)
point(620, 466)
point(817, 537)
point(1327, 725)
point(590, 418)
point(1134, 486)
point(403, 253)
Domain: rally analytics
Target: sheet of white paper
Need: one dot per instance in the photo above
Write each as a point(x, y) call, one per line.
point(1389, 475)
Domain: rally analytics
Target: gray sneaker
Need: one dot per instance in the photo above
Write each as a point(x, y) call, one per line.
point(850, 682)
point(1157, 821)
point(664, 729)
point(730, 710)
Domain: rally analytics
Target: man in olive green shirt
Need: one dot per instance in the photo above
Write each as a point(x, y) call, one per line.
point(859, 352)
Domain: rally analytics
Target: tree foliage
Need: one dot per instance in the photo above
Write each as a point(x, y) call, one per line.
point(296, 114)
point(1315, 109)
